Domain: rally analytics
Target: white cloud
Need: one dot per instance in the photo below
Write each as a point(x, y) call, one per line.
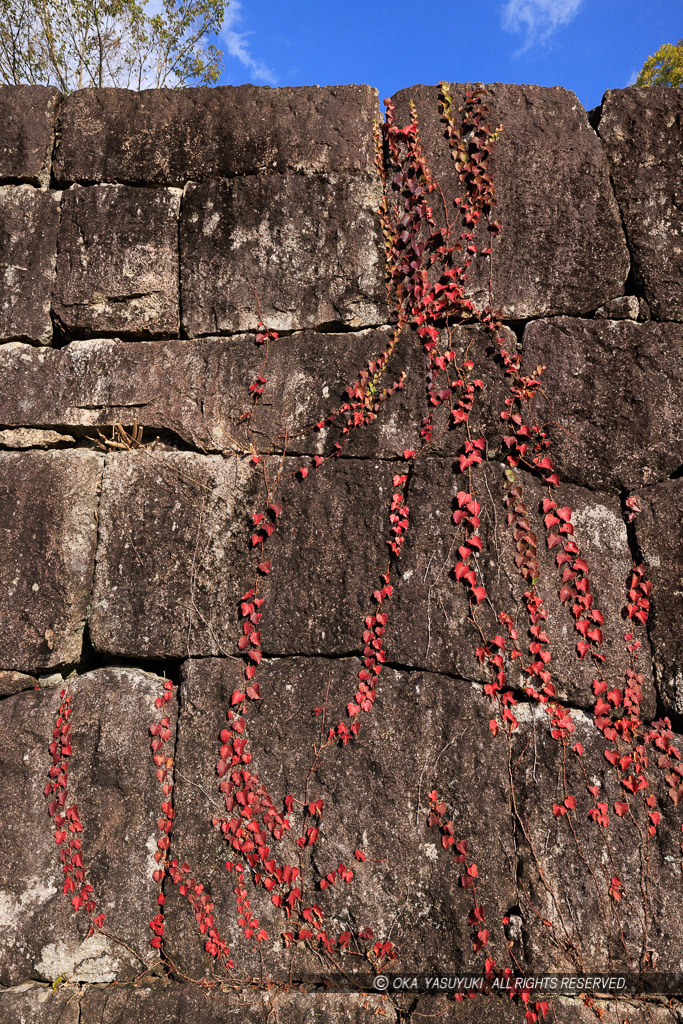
point(538, 19)
point(236, 44)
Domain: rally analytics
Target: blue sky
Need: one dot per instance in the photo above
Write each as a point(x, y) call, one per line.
point(585, 45)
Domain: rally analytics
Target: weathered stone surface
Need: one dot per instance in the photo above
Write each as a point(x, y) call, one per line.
point(28, 246)
point(26, 437)
point(308, 248)
point(565, 1010)
point(187, 1004)
point(27, 116)
point(48, 522)
point(111, 779)
point(425, 731)
point(117, 266)
point(428, 617)
point(328, 555)
point(615, 391)
point(659, 531)
point(12, 682)
point(198, 389)
point(565, 870)
point(642, 131)
point(625, 307)
point(174, 136)
point(172, 557)
point(562, 248)
point(27, 1004)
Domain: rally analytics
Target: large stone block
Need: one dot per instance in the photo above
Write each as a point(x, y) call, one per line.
point(613, 394)
point(27, 116)
point(111, 779)
point(199, 389)
point(307, 248)
point(424, 732)
point(659, 531)
point(169, 136)
point(28, 249)
point(117, 266)
point(567, 861)
point(562, 248)
point(429, 618)
point(48, 517)
point(642, 131)
point(172, 555)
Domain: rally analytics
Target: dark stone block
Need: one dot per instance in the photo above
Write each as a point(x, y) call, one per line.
point(562, 248)
point(328, 554)
point(40, 1005)
point(375, 799)
point(168, 136)
point(659, 531)
point(111, 779)
point(28, 248)
point(172, 555)
point(117, 265)
point(307, 248)
point(429, 626)
point(567, 861)
point(27, 116)
point(615, 391)
point(48, 520)
point(642, 132)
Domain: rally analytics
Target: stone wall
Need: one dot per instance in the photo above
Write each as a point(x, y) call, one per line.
point(144, 238)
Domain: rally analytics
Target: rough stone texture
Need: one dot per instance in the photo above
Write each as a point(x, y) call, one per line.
point(641, 130)
point(308, 248)
point(28, 246)
point(424, 731)
point(428, 617)
point(187, 1004)
point(117, 263)
point(562, 248)
point(615, 391)
point(172, 555)
point(111, 780)
point(48, 524)
point(173, 560)
point(625, 307)
point(12, 682)
point(198, 389)
point(564, 1010)
point(38, 1004)
point(564, 877)
point(26, 437)
point(169, 137)
point(659, 532)
point(27, 116)
point(279, 208)
point(328, 555)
